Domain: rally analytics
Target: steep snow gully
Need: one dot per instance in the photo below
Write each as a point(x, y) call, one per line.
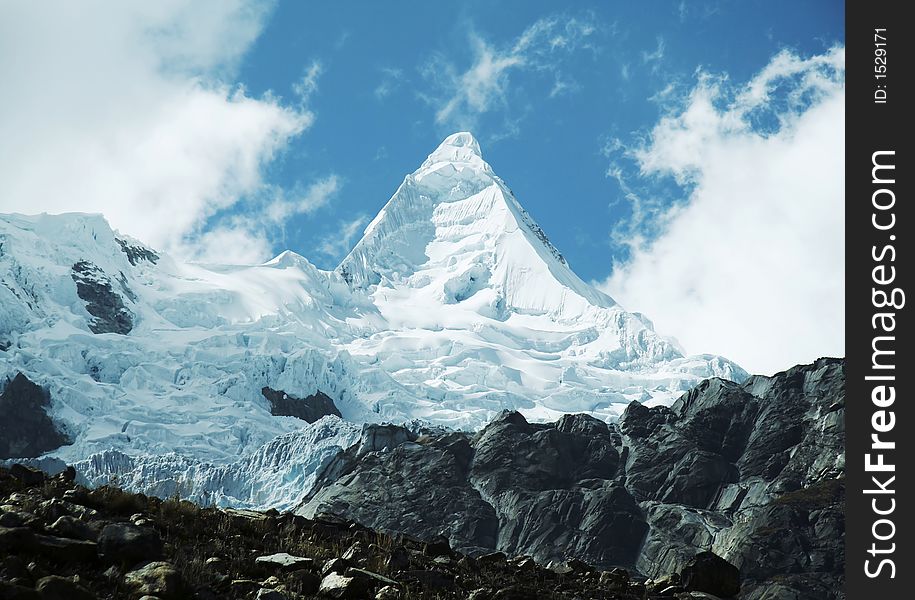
point(453, 307)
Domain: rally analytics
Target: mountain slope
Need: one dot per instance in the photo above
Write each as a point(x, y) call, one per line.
point(453, 307)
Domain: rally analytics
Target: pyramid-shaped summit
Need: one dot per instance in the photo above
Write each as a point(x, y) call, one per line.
point(453, 223)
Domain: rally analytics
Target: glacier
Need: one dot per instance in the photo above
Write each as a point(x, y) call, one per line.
point(452, 307)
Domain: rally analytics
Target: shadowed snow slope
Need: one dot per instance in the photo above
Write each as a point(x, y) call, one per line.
point(452, 307)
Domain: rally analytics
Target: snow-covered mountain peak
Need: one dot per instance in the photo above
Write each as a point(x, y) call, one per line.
point(453, 307)
point(460, 149)
point(455, 231)
point(287, 259)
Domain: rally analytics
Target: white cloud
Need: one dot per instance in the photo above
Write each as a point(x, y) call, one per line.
point(308, 85)
point(656, 54)
point(475, 90)
point(128, 109)
point(391, 79)
point(341, 241)
point(751, 265)
point(562, 86)
point(240, 242)
point(303, 202)
point(682, 10)
point(463, 95)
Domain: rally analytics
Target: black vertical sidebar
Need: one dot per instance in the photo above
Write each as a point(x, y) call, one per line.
point(880, 392)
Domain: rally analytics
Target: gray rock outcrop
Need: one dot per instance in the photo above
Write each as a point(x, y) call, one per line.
point(752, 472)
point(94, 287)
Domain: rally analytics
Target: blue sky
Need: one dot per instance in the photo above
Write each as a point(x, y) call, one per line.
point(545, 130)
point(685, 157)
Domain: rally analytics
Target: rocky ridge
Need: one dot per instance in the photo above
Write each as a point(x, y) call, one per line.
point(752, 472)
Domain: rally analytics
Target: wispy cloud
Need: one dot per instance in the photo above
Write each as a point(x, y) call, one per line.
point(655, 55)
point(336, 244)
point(682, 10)
point(302, 201)
point(391, 79)
point(752, 254)
point(305, 88)
point(461, 95)
point(563, 86)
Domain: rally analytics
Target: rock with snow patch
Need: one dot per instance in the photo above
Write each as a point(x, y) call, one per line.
point(94, 287)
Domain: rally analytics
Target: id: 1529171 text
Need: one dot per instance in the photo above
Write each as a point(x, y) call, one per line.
point(880, 48)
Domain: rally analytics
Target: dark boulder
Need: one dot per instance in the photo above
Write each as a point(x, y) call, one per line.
point(71, 527)
point(17, 539)
point(128, 544)
point(27, 475)
point(66, 550)
point(26, 430)
point(54, 587)
point(399, 559)
point(710, 573)
point(14, 591)
point(303, 581)
point(438, 546)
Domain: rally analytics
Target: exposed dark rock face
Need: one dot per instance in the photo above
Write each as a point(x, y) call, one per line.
point(544, 490)
point(555, 490)
point(432, 476)
point(136, 254)
point(779, 515)
point(310, 408)
point(106, 306)
point(752, 472)
point(26, 431)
